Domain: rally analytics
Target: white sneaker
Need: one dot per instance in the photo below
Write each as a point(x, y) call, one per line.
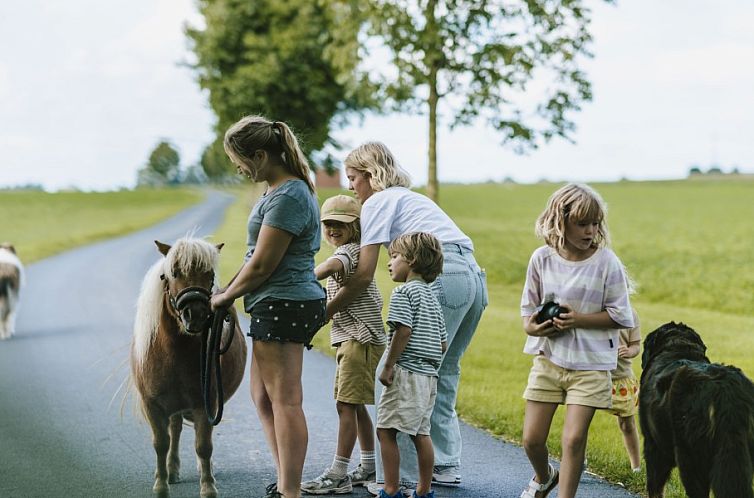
point(360, 476)
point(446, 475)
point(327, 484)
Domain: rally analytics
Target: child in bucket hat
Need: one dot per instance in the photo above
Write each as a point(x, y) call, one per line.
point(358, 334)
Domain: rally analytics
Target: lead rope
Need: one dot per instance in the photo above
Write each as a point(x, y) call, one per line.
point(210, 358)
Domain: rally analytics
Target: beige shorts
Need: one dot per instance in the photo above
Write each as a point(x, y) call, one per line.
point(355, 372)
point(549, 383)
point(625, 397)
point(406, 405)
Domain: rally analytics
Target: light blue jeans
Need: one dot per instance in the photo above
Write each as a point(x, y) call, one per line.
point(461, 289)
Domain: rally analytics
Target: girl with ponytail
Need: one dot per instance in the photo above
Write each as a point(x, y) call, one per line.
point(279, 289)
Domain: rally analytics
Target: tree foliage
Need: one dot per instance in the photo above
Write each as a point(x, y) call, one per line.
point(163, 166)
point(292, 61)
point(511, 63)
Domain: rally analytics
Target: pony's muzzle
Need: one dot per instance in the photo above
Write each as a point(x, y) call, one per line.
point(193, 306)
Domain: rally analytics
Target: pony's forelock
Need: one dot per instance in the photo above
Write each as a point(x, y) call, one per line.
point(187, 255)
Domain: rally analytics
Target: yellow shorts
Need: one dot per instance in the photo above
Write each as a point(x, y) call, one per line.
point(355, 372)
point(549, 383)
point(625, 397)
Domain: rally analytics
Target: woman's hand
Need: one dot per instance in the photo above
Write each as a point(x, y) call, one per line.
point(567, 320)
point(386, 375)
point(544, 329)
point(623, 351)
point(220, 300)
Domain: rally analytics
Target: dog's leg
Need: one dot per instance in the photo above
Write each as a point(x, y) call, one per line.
point(203, 430)
point(4, 318)
point(658, 468)
point(174, 459)
point(161, 442)
point(694, 470)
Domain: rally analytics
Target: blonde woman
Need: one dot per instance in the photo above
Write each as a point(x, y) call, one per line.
point(279, 289)
point(390, 209)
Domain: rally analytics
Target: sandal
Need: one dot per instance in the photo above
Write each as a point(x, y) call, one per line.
point(541, 490)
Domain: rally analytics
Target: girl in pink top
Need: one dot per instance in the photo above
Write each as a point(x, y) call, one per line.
point(574, 350)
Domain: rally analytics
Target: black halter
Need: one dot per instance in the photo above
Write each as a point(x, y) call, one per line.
point(209, 356)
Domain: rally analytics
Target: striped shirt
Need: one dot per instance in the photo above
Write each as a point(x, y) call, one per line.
point(414, 305)
point(362, 319)
point(595, 284)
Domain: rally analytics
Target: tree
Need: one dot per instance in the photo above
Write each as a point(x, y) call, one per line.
point(216, 164)
point(695, 171)
point(483, 59)
point(163, 166)
point(292, 61)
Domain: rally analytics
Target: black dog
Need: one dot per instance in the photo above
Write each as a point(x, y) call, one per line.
point(695, 414)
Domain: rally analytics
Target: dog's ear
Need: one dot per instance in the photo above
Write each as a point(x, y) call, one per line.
point(697, 338)
point(649, 345)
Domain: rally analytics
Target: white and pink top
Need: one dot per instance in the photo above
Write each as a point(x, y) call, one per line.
point(598, 283)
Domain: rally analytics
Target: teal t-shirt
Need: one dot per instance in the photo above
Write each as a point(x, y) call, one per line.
point(293, 208)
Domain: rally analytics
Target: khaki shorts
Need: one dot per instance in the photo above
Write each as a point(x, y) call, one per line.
point(625, 397)
point(406, 405)
point(549, 383)
point(355, 372)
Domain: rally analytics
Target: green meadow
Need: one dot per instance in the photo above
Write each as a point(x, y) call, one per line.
point(687, 244)
point(40, 224)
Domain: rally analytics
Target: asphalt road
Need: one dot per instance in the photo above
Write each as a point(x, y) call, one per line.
point(62, 430)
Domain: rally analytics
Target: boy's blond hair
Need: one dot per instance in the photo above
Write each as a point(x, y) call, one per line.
point(354, 231)
point(577, 202)
point(377, 160)
point(423, 253)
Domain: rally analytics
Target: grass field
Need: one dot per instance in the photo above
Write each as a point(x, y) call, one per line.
point(40, 224)
point(687, 244)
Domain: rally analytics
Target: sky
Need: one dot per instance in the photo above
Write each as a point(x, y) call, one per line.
point(88, 88)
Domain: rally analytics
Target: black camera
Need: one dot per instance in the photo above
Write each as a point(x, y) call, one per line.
point(549, 310)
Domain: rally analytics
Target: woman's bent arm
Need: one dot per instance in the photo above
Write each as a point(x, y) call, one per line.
point(359, 281)
point(270, 249)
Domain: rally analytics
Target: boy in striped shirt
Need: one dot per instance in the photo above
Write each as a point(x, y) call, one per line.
point(417, 341)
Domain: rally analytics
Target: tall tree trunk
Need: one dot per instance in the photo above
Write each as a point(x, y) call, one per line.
point(432, 184)
point(432, 58)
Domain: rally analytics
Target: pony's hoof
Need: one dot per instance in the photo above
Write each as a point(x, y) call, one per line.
point(208, 491)
point(174, 477)
point(161, 488)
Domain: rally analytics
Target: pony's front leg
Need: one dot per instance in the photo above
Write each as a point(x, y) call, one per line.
point(161, 442)
point(174, 458)
point(203, 431)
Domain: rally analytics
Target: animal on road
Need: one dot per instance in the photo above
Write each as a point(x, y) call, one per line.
point(11, 280)
point(172, 312)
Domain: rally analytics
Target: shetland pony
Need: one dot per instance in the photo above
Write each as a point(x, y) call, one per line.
point(11, 280)
point(172, 311)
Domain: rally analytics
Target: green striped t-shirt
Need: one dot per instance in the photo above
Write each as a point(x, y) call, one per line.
point(414, 305)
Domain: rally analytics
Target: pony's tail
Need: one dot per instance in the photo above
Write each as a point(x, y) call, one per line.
point(733, 415)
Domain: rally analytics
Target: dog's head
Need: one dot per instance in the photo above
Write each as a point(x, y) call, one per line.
point(8, 247)
point(675, 337)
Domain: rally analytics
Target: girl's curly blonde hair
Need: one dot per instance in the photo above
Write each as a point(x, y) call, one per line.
point(577, 202)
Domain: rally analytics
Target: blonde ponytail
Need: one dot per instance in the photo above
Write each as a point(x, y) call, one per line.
point(292, 155)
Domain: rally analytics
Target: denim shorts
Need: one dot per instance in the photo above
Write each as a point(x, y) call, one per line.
point(285, 320)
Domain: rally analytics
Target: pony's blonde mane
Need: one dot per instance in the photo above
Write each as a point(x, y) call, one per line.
point(187, 255)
